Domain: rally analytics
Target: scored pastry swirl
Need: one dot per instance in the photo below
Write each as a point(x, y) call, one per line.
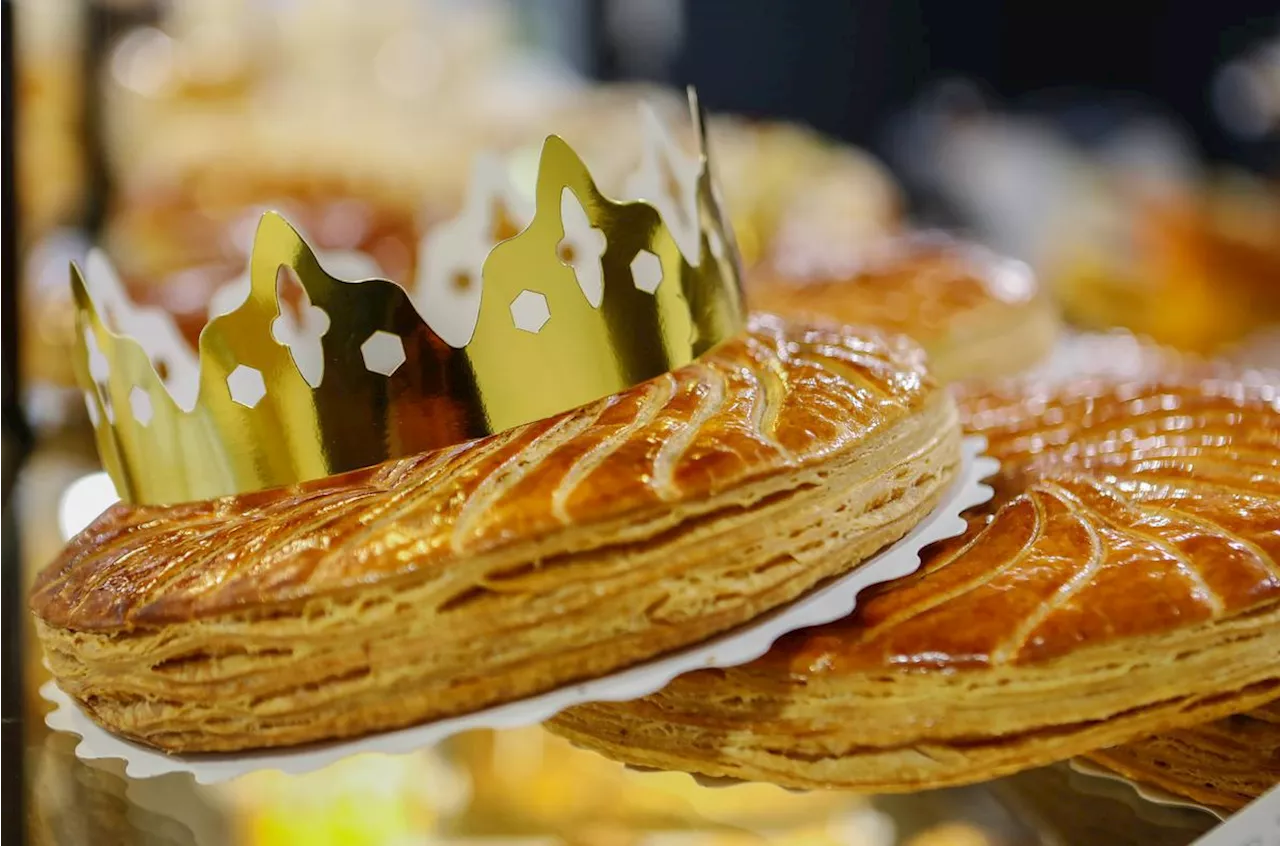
point(479, 573)
point(1124, 580)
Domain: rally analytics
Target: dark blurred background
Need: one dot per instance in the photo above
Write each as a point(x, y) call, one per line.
point(848, 67)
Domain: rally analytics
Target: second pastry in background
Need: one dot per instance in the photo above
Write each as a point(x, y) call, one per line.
point(977, 314)
point(1122, 582)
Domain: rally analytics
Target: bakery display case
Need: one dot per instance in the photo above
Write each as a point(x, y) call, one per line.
point(447, 432)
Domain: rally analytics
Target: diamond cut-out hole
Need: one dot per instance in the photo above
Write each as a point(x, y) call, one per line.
point(582, 247)
point(646, 271)
point(140, 405)
point(246, 386)
point(529, 311)
point(91, 406)
point(300, 327)
point(383, 353)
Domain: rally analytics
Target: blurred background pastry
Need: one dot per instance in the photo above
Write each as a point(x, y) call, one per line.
point(176, 241)
point(1109, 200)
point(793, 191)
point(977, 314)
point(1196, 269)
point(51, 139)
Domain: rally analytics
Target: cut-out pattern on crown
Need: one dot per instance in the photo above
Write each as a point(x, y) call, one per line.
point(591, 297)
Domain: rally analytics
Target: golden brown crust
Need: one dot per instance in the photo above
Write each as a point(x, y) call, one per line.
point(975, 313)
point(1224, 764)
point(559, 550)
point(1123, 581)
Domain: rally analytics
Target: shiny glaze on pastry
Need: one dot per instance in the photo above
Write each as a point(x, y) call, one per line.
point(976, 313)
point(1127, 515)
point(558, 550)
point(1124, 580)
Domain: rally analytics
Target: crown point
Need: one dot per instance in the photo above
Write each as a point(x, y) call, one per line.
point(556, 159)
point(274, 218)
point(383, 352)
point(503, 241)
point(246, 385)
point(699, 120)
point(529, 311)
point(79, 290)
point(271, 220)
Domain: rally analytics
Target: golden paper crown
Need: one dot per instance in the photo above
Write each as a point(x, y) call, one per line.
point(591, 297)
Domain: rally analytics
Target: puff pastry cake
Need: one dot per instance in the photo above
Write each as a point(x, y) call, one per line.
point(506, 566)
point(1123, 581)
point(977, 314)
point(1226, 763)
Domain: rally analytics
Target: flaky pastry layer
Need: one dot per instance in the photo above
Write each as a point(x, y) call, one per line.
point(1123, 582)
point(557, 551)
point(1225, 764)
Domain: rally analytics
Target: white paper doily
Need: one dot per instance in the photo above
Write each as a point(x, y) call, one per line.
point(1151, 793)
point(822, 605)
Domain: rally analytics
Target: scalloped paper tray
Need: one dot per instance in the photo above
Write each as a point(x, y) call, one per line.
point(824, 604)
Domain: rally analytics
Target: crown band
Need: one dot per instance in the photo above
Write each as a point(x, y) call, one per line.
point(592, 297)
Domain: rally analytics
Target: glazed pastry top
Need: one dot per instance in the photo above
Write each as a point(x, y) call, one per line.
point(778, 398)
point(1121, 511)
